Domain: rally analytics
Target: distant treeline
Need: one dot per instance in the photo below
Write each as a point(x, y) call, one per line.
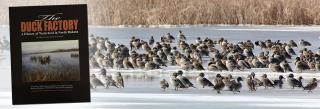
point(158, 12)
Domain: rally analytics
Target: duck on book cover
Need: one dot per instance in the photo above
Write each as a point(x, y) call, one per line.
point(49, 54)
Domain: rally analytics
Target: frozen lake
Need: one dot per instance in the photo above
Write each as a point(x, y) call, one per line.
point(142, 90)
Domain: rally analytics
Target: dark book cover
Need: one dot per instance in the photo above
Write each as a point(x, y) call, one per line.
point(49, 54)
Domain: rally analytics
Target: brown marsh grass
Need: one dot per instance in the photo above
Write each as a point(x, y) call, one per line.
point(157, 12)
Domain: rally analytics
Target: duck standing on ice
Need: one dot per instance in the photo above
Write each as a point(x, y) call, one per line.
point(266, 81)
point(304, 43)
point(292, 82)
point(176, 82)
point(219, 85)
point(164, 84)
point(185, 81)
point(236, 85)
point(313, 84)
point(119, 80)
point(279, 82)
point(181, 36)
point(95, 82)
point(203, 82)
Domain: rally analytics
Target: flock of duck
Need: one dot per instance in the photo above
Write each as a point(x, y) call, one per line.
point(178, 81)
point(223, 56)
point(234, 84)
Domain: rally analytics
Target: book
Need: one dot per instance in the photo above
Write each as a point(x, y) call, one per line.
point(49, 54)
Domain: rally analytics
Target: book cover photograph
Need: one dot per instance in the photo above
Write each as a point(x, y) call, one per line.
point(49, 54)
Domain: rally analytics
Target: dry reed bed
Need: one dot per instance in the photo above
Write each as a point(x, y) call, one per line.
point(156, 12)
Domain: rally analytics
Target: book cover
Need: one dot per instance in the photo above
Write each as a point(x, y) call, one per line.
point(49, 54)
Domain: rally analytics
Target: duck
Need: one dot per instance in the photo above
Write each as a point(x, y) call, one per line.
point(266, 81)
point(313, 84)
point(127, 64)
point(236, 85)
point(176, 82)
point(243, 64)
point(140, 63)
point(221, 66)
point(256, 63)
point(292, 82)
point(279, 82)
point(197, 65)
point(203, 82)
point(156, 59)
point(289, 50)
point(274, 67)
point(228, 81)
point(231, 64)
point(285, 66)
point(250, 83)
point(212, 66)
point(95, 82)
point(301, 65)
point(292, 43)
point(181, 36)
point(164, 84)
point(256, 81)
point(119, 80)
point(107, 79)
point(151, 41)
point(110, 82)
point(304, 43)
point(219, 85)
point(185, 81)
point(151, 66)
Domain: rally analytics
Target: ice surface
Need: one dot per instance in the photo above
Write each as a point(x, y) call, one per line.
point(142, 87)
